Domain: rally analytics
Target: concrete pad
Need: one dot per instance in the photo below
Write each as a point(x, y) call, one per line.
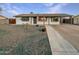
point(58, 44)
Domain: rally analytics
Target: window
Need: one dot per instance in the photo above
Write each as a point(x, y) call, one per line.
point(45, 19)
point(25, 19)
point(42, 18)
point(55, 19)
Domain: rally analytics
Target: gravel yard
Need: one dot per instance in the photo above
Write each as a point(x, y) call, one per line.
point(23, 40)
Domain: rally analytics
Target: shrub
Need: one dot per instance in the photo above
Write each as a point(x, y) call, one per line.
point(37, 25)
point(43, 29)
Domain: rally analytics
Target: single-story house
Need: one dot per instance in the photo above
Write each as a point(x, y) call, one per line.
point(76, 19)
point(3, 20)
point(41, 19)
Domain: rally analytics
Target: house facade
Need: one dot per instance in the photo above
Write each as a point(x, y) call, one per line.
point(41, 19)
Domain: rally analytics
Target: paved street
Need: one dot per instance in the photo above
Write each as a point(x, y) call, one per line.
point(64, 39)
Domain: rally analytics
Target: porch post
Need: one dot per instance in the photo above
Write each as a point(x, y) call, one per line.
point(43, 20)
point(48, 20)
point(59, 19)
point(37, 19)
point(71, 20)
point(30, 20)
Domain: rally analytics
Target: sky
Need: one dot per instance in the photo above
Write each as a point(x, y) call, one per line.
point(12, 9)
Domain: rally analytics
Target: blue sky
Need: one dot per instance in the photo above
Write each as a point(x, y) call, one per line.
point(11, 9)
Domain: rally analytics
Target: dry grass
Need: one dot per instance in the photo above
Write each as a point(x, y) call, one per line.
point(19, 39)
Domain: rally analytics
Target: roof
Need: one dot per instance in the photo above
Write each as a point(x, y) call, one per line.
point(3, 16)
point(20, 15)
point(76, 16)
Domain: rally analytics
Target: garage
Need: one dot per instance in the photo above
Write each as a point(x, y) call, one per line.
point(67, 20)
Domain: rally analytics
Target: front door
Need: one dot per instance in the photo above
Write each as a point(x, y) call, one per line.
point(34, 20)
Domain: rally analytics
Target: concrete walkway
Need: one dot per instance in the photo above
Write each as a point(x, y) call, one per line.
point(58, 44)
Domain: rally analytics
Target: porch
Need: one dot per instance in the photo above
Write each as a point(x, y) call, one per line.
point(40, 19)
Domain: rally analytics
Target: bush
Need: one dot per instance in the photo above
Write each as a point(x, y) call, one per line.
point(43, 29)
point(37, 25)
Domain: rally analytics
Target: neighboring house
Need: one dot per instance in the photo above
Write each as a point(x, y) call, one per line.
point(41, 19)
point(4, 20)
point(76, 19)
